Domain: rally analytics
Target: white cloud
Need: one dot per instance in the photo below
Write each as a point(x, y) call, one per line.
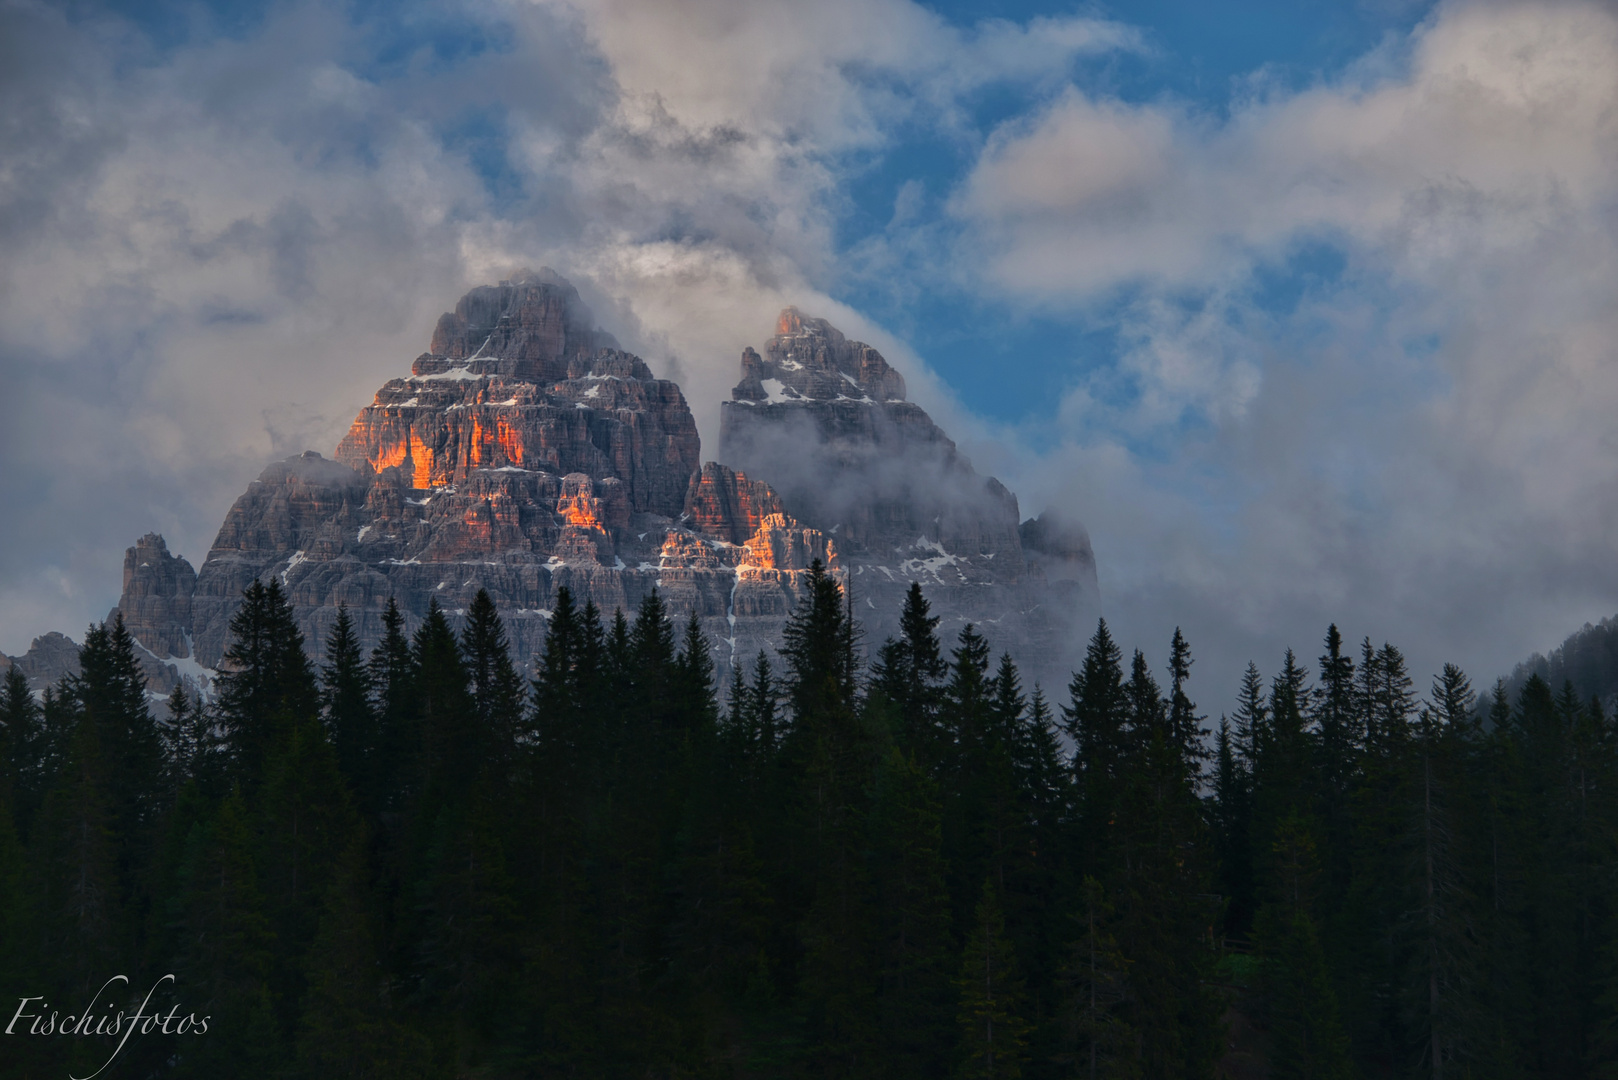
point(216, 252)
point(1419, 447)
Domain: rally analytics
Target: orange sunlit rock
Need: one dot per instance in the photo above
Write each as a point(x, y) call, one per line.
point(724, 503)
point(422, 458)
point(783, 544)
point(510, 440)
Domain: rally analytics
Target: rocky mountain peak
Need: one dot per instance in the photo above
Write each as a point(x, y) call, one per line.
point(529, 326)
point(156, 599)
point(525, 453)
point(519, 380)
point(810, 359)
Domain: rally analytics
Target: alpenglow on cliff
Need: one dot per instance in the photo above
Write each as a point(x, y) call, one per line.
point(526, 451)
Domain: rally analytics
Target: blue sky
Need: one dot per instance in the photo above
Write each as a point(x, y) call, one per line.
point(1305, 309)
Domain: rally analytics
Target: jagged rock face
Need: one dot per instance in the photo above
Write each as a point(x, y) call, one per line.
point(336, 535)
point(728, 505)
point(824, 422)
point(523, 454)
point(833, 435)
point(528, 327)
point(536, 392)
point(48, 659)
point(811, 359)
point(156, 600)
point(526, 453)
point(1060, 547)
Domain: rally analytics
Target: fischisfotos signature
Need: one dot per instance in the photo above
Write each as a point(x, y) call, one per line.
point(118, 1024)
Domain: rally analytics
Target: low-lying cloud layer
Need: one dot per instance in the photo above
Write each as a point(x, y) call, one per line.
point(1364, 367)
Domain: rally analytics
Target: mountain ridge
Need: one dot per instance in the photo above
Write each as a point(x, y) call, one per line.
point(526, 451)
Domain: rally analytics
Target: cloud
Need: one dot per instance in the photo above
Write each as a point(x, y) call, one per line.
point(214, 256)
point(1363, 365)
point(218, 249)
point(1415, 440)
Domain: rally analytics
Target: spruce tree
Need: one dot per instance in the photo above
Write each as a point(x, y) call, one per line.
point(21, 748)
point(1438, 984)
point(304, 824)
point(1308, 1042)
point(1094, 719)
point(693, 683)
point(1102, 1044)
point(499, 694)
point(917, 995)
point(393, 674)
point(348, 1026)
point(907, 671)
point(225, 950)
point(973, 758)
point(453, 743)
point(1161, 887)
point(829, 753)
point(993, 1028)
point(266, 682)
point(346, 694)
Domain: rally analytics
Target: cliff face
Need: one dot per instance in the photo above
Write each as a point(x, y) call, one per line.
point(526, 452)
point(825, 422)
point(156, 600)
point(537, 392)
point(523, 454)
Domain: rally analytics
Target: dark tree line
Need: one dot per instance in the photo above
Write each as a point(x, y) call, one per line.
point(419, 864)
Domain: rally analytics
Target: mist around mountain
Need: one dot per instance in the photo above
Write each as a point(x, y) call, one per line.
point(1587, 659)
point(526, 452)
point(519, 741)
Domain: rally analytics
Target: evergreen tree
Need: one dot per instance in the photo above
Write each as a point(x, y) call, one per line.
point(1233, 837)
point(304, 824)
point(1252, 719)
point(498, 693)
point(993, 1031)
point(1094, 719)
point(829, 751)
point(225, 950)
point(266, 683)
point(350, 718)
point(693, 682)
point(73, 855)
point(1162, 884)
point(917, 996)
point(1185, 726)
point(394, 706)
point(185, 739)
point(1439, 924)
point(1103, 1045)
point(974, 763)
point(1377, 898)
point(907, 672)
point(453, 744)
point(22, 749)
point(1307, 1034)
point(819, 649)
point(348, 1028)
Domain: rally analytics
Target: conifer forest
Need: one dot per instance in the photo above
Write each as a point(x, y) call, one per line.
point(862, 859)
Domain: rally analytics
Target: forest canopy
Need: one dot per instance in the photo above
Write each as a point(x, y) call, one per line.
point(419, 863)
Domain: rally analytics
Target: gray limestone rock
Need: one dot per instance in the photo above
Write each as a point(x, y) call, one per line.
point(526, 453)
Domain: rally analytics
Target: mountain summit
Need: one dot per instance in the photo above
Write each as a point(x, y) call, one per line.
point(824, 421)
point(526, 451)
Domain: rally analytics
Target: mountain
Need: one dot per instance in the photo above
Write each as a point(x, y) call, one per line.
point(824, 420)
point(1588, 659)
point(526, 451)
